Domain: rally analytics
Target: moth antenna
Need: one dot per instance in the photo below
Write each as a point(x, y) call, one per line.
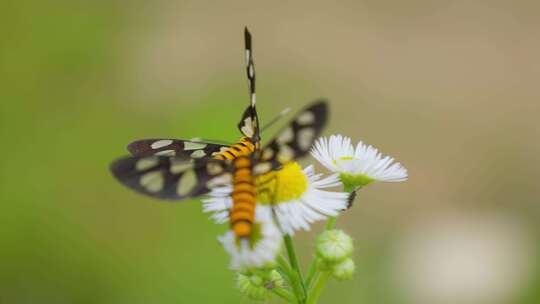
point(250, 67)
point(276, 118)
point(212, 141)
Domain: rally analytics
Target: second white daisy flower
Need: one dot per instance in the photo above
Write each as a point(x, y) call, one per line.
point(357, 166)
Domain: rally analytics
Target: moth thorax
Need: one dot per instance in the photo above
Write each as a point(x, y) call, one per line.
point(248, 143)
point(242, 214)
point(243, 147)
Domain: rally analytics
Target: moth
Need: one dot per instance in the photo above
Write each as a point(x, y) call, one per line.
point(175, 169)
point(175, 178)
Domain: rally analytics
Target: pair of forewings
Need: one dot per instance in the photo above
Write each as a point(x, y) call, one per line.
point(177, 169)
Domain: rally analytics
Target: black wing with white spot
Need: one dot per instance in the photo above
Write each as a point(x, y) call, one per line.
point(170, 178)
point(249, 123)
point(296, 139)
point(184, 149)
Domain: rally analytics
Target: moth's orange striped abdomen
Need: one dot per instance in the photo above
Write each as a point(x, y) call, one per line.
point(242, 214)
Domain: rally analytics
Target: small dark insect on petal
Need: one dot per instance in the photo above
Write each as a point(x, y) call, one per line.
point(351, 198)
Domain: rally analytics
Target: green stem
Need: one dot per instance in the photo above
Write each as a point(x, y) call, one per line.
point(284, 265)
point(330, 223)
point(284, 294)
point(292, 253)
point(312, 272)
point(290, 277)
point(314, 293)
point(296, 275)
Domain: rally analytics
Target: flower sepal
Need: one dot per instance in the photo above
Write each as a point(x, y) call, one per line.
point(352, 182)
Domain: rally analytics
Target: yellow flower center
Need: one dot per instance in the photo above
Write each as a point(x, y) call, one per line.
point(283, 185)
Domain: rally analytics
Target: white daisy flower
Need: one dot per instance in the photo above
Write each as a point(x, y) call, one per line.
point(260, 249)
point(297, 197)
point(357, 167)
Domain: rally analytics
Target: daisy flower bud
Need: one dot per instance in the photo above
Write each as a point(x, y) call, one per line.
point(334, 246)
point(257, 285)
point(252, 286)
point(343, 270)
point(275, 280)
point(358, 166)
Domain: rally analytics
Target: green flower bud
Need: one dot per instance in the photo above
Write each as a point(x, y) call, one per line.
point(343, 270)
point(334, 246)
point(275, 280)
point(252, 286)
point(257, 285)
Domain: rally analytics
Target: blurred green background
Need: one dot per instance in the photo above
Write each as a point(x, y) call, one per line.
point(449, 88)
